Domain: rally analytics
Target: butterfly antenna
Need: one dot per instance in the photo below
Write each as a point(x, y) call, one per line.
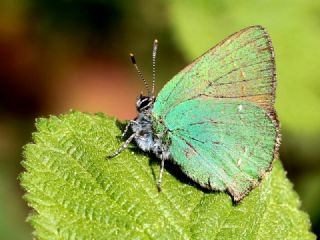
point(133, 60)
point(154, 54)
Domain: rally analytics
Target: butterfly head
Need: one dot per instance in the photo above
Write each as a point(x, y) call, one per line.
point(144, 103)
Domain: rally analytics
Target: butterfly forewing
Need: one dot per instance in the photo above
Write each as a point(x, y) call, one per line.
point(242, 66)
point(219, 113)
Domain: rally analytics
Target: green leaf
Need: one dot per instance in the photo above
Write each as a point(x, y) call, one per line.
point(77, 194)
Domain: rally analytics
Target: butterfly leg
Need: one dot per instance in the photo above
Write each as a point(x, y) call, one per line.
point(160, 174)
point(127, 128)
point(123, 147)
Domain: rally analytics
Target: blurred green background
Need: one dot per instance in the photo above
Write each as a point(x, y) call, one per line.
point(73, 54)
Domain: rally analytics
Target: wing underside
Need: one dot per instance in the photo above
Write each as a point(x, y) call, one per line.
point(240, 67)
point(222, 144)
point(220, 113)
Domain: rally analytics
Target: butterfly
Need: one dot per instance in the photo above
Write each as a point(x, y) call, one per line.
point(215, 118)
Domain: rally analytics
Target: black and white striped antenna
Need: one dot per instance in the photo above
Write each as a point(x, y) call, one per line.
point(154, 54)
point(133, 60)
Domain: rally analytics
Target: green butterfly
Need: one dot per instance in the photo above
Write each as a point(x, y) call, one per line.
point(215, 118)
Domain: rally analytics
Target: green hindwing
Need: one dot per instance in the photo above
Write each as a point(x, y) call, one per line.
point(219, 114)
point(222, 144)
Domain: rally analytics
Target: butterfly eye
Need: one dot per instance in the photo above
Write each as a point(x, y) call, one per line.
point(143, 102)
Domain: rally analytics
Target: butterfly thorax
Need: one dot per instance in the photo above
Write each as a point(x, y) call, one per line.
point(143, 125)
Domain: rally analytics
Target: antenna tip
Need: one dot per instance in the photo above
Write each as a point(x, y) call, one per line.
point(133, 60)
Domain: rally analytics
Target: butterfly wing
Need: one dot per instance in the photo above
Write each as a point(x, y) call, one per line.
point(219, 113)
point(240, 67)
point(222, 144)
